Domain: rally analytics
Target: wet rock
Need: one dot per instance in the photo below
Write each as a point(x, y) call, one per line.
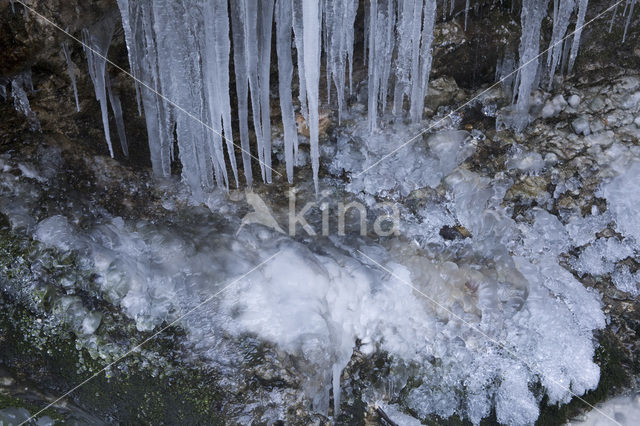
point(574, 101)
point(454, 232)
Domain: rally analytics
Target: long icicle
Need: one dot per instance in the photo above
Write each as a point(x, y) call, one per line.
point(311, 17)
point(72, 73)
point(285, 74)
point(582, 12)
point(238, 11)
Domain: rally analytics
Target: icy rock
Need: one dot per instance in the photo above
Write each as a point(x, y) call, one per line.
point(625, 281)
point(637, 121)
point(56, 232)
point(526, 161)
point(597, 104)
point(630, 101)
point(574, 101)
point(14, 416)
point(30, 172)
point(581, 126)
point(91, 322)
point(596, 126)
point(553, 107)
point(550, 159)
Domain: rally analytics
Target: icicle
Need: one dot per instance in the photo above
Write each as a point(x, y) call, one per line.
point(218, 46)
point(299, 41)
point(466, 14)
point(238, 12)
point(381, 26)
point(72, 73)
point(350, 17)
point(387, 46)
point(452, 7)
point(265, 10)
point(285, 75)
point(138, 30)
point(408, 37)
point(582, 11)
point(339, 18)
point(19, 85)
point(422, 63)
point(533, 11)
point(562, 15)
point(116, 107)
point(251, 19)
point(372, 110)
point(96, 46)
point(311, 18)
point(613, 17)
point(626, 27)
point(179, 30)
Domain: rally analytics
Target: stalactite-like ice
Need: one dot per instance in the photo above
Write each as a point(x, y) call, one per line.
point(533, 11)
point(265, 16)
point(339, 18)
point(311, 18)
point(240, 66)
point(72, 73)
point(179, 53)
point(96, 46)
point(116, 107)
point(20, 84)
point(582, 13)
point(284, 26)
point(561, 17)
point(629, 16)
point(466, 14)
point(138, 24)
point(420, 76)
point(381, 43)
point(218, 46)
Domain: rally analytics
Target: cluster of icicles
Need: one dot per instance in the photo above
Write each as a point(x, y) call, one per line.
point(180, 56)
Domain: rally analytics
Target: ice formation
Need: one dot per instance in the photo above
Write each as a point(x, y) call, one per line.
point(501, 316)
point(182, 60)
point(96, 45)
point(582, 12)
point(624, 409)
point(562, 10)
point(72, 73)
point(630, 5)
point(533, 11)
point(20, 85)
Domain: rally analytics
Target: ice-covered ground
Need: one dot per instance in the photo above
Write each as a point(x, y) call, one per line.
point(476, 323)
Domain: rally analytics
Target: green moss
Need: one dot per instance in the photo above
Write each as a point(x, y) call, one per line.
point(136, 390)
point(131, 396)
point(7, 401)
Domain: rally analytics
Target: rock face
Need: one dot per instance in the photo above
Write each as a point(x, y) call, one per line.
point(35, 45)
